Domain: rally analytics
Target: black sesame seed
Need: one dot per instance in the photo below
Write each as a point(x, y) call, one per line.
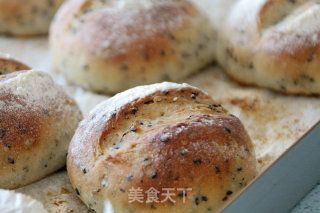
point(164, 138)
point(85, 66)
point(45, 165)
point(3, 132)
point(134, 110)
point(225, 198)
point(26, 169)
point(171, 36)
point(194, 95)
point(162, 52)
point(229, 192)
point(283, 87)
point(185, 55)
point(227, 129)
point(165, 92)
point(149, 102)
point(217, 169)
point(140, 123)
point(6, 145)
point(204, 198)
point(84, 170)
point(10, 160)
point(77, 191)
point(180, 194)
point(197, 161)
point(124, 67)
point(122, 190)
point(196, 201)
point(154, 174)
point(239, 169)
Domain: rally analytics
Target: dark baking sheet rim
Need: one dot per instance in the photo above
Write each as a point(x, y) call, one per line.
point(286, 181)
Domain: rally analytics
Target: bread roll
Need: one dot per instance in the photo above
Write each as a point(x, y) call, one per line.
point(156, 137)
point(27, 17)
point(110, 46)
point(273, 44)
point(8, 64)
point(37, 121)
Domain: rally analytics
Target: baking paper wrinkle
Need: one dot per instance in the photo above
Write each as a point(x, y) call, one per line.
point(12, 202)
point(108, 208)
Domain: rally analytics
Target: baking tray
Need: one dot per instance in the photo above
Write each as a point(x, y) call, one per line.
point(286, 181)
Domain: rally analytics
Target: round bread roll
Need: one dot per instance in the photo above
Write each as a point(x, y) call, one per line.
point(37, 121)
point(8, 64)
point(110, 46)
point(159, 137)
point(273, 44)
point(27, 17)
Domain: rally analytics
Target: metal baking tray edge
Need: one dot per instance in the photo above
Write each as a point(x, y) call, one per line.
point(286, 181)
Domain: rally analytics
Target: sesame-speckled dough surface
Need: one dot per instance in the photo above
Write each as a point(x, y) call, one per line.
point(274, 121)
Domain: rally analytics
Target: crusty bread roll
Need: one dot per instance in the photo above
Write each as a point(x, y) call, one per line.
point(8, 64)
point(37, 121)
point(27, 17)
point(110, 46)
point(162, 136)
point(273, 44)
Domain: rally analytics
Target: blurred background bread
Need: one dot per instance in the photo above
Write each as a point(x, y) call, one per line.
point(273, 44)
point(37, 121)
point(156, 137)
point(26, 17)
point(110, 46)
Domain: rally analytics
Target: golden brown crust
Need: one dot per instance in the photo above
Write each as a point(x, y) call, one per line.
point(37, 122)
point(175, 137)
point(9, 65)
point(144, 41)
point(26, 17)
point(274, 44)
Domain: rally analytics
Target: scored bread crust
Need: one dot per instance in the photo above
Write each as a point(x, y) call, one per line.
point(162, 136)
point(27, 17)
point(273, 44)
point(37, 121)
point(110, 46)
